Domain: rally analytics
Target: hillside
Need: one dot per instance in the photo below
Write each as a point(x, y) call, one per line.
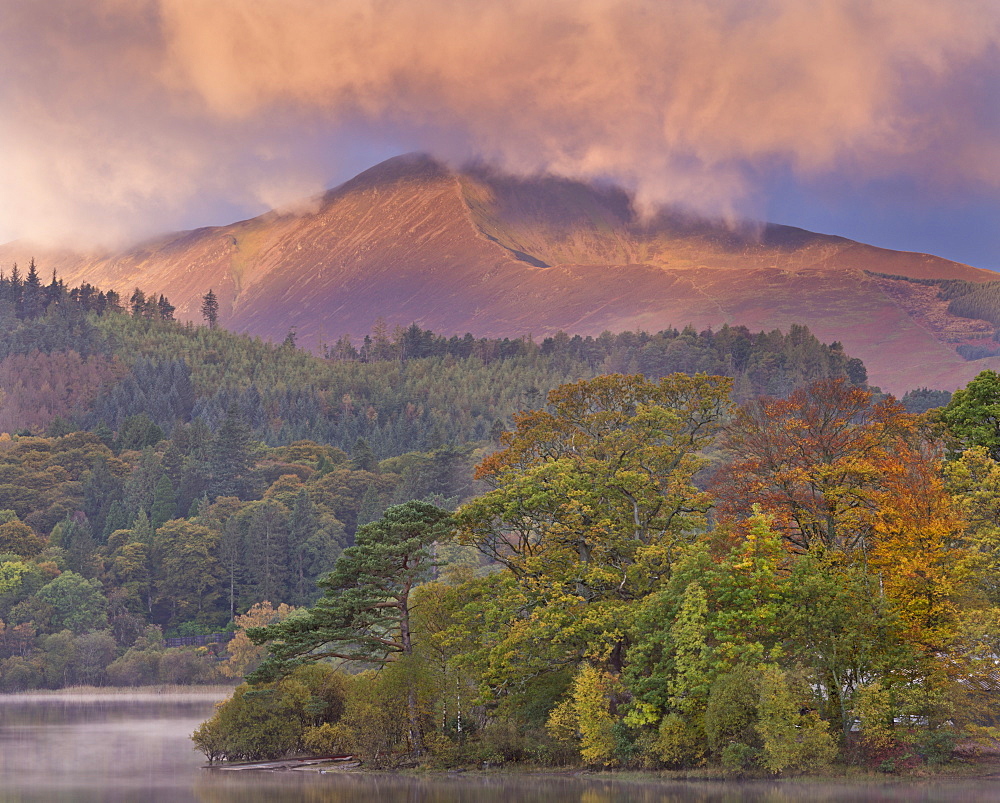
point(475, 251)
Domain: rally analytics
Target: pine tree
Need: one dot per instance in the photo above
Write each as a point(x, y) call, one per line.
point(164, 309)
point(302, 525)
point(117, 519)
point(138, 303)
point(101, 491)
point(164, 502)
point(363, 458)
point(210, 309)
point(364, 613)
point(230, 459)
point(32, 301)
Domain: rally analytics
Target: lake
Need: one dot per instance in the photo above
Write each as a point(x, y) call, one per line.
point(135, 747)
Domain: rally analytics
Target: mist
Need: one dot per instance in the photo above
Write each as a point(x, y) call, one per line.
point(122, 118)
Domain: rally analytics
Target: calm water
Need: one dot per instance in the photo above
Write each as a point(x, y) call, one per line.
point(136, 748)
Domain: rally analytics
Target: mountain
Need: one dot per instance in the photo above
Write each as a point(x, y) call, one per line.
point(477, 251)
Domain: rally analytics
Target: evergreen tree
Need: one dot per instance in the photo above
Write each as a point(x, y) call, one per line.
point(100, 492)
point(210, 309)
point(267, 550)
point(164, 502)
point(363, 458)
point(231, 551)
point(117, 519)
point(364, 614)
point(32, 304)
point(138, 303)
point(230, 457)
point(164, 309)
point(303, 524)
point(371, 505)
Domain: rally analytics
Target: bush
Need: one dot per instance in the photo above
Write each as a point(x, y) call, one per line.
point(184, 666)
point(680, 742)
point(936, 746)
point(20, 674)
point(272, 721)
point(731, 712)
point(794, 736)
point(739, 756)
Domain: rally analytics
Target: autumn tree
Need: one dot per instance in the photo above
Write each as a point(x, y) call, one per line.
point(594, 493)
point(919, 555)
point(592, 501)
point(244, 655)
point(822, 461)
point(18, 538)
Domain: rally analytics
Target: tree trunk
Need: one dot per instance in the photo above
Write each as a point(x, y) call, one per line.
point(416, 740)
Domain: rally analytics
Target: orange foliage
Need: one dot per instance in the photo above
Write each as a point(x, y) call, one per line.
point(821, 461)
point(917, 556)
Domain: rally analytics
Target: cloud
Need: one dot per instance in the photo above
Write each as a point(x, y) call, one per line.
point(124, 118)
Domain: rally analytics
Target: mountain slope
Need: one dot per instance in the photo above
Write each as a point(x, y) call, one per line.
point(411, 241)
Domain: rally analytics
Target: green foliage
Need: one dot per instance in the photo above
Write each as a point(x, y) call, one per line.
point(364, 613)
point(972, 417)
point(271, 721)
point(373, 725)
point(973, 479)
point(468, 389)
point(11, 575)
point(78, 605)
point(732, 709)
point(595, 494)
point(921, 400)
point(794, 738)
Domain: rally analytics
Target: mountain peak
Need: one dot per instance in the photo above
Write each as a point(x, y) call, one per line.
point(415, 166)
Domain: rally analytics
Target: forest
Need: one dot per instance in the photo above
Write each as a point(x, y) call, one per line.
point(975, 300)
point(644, 550)
point(657, 578)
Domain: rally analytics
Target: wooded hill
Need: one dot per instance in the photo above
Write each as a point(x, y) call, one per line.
point(161, 474)
point(80, 361)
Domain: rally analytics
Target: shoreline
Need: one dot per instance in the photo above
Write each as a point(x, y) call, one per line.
point(957, 772)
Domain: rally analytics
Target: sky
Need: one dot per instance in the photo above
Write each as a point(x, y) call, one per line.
point(878, 120)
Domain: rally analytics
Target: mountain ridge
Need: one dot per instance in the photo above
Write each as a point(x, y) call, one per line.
point(412, 241)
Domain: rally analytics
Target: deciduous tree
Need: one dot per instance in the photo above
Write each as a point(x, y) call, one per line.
point(822, 461)
point(592, 494)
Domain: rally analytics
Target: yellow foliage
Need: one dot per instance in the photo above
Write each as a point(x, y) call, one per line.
point(921, 568)
point(873, 707)
point(587, 716)
point(681, 741)
point(244, 655)
point(792, 739)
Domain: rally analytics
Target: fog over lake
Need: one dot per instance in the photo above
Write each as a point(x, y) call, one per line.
point(135, 747)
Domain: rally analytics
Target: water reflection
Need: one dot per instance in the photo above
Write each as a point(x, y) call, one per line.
point(354, 789)
point(136, 748)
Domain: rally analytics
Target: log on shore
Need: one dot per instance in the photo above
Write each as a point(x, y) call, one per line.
point(340, 762)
